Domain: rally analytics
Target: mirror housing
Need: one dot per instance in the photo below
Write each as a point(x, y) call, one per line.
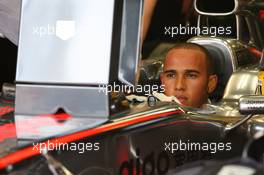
point(215, 7)
point(251, 104)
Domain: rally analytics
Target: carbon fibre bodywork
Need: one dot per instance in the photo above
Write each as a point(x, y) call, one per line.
point(144, 139)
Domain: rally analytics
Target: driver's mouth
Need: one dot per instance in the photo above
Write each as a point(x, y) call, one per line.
point(183, 99)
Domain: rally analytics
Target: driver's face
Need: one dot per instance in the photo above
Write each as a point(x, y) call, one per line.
point(185, 76)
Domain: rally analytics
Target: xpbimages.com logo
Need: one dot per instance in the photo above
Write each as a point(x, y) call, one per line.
point(63, 29)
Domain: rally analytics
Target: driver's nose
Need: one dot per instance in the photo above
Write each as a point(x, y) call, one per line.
point(180, 83)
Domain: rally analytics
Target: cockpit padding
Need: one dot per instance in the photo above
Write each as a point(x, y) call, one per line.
point(223, 68)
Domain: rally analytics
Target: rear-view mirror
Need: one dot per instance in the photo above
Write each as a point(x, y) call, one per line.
point(216, 7)
point(251, 104)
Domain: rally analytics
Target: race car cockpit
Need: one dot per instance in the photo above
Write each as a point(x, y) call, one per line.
point(231, 44)
point(72, 117)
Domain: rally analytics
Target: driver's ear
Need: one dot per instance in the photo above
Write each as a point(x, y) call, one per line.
point(212, 82)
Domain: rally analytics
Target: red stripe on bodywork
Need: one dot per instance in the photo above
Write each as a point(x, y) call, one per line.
point(8, 130)
point(255, 52)
point(5, 110)
point(32, 151)
point(261, 14)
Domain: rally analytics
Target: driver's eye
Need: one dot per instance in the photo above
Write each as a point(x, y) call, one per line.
point(170, 75)
point(192, 75)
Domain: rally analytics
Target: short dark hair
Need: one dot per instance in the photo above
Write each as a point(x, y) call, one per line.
point(193, 46)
